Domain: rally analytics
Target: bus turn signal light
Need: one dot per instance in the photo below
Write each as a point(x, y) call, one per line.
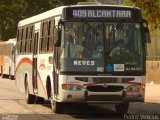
point(73, 87)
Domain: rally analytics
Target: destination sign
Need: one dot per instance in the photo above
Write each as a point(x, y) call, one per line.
point(98, 13)
point(104, 13)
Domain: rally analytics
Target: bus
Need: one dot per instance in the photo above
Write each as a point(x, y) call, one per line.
point(7, 58)
point(64, 55)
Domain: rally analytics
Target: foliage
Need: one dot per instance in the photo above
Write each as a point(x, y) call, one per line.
point(9, 16)
point(13, 11)
point(150, 10)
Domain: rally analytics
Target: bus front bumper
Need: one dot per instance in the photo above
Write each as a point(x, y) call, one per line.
point(101, 97)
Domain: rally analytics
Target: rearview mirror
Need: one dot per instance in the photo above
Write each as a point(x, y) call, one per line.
point(57, 36)
point(146, 31)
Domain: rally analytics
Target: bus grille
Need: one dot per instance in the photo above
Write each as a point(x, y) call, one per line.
point(100, 88)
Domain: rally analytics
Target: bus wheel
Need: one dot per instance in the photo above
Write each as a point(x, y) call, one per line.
point(57, 107)
point(39, 100)
point(29, 97)
point(12, 77)
point(122, 108)
point(2, 75)
point(1, 72)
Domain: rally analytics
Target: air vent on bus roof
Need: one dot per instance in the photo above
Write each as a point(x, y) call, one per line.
point(89, 3)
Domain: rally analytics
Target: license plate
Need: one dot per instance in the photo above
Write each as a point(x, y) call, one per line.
point(133, 93)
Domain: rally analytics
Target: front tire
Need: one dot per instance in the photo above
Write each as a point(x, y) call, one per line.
point(57, 107)
point(2, 75)
point(39, 100)
point(122, 108)
point(30, 99)
point(12, 77)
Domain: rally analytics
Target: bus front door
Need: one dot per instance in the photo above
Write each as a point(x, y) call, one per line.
point(34, 68)
point(56, 67)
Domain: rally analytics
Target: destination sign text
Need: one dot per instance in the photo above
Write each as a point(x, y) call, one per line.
point(101, 13)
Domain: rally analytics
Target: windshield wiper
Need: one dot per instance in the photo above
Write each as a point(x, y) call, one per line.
point(113, 31)
point(116, 27)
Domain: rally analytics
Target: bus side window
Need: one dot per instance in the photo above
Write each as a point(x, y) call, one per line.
point(21, 38)
point(42, 37)
point(45, 37)
point(18, 40)
point(51, 35)
point(26, 41)
point(48, 36)
point(31, 39)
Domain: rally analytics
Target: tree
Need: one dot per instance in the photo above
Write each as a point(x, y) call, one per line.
point(13, 11)
point(150, 10)
point(9, 17)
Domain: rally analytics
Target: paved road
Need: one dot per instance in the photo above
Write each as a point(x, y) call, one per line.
point(13, 107)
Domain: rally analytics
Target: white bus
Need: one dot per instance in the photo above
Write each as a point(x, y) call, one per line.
point(7, 58)
point(64, 56)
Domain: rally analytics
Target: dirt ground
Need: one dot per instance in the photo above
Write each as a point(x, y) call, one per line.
point(152, 93)
point(153, 72)
point(152, 81)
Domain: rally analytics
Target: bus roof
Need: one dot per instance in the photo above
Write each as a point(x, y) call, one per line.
point(98, 4)
point(104, 5)
point(12, 40)
point(58, 11)
point(53, 12)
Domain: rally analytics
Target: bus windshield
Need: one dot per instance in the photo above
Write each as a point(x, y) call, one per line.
point(101, 47)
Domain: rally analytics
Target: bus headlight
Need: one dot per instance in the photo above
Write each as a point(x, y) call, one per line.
point(73, 87)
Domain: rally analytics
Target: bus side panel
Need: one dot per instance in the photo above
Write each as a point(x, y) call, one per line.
point(1, 63)
point(7, 65)
point(24, 67)
point(44, 70)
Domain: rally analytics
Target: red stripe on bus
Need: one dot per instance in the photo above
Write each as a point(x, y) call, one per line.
point(115, 83)
point(27, 60)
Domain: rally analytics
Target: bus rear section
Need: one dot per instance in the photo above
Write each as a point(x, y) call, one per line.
point(7, 58)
